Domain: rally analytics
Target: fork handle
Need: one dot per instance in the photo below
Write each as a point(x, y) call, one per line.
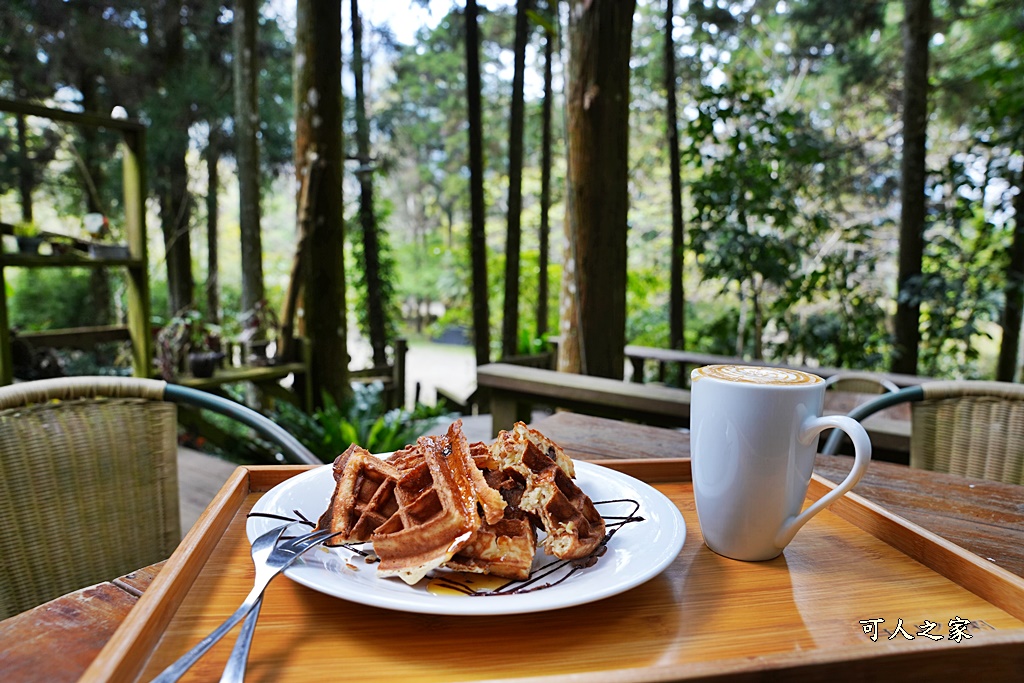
point(178, 669)
point(234, 670)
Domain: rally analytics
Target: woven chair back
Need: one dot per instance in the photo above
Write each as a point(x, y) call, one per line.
point(973, 436)
point(88, 491)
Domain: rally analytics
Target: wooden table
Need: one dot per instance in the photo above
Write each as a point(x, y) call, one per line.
point(58, 640)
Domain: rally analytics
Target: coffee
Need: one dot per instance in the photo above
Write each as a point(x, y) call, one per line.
point(755, 375)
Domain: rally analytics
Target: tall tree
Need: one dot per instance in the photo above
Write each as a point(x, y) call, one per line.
point(594, 277)
point(319, 158)
point(1013, 309)
point(676, 336)
point(510, 317)
point(917, 32)
point(92, 179)
point(375, 296)
point(172, 115)
point(477, 229)
point(212, 229)
point(247, 117)
point(217, 109)
point(545, 175)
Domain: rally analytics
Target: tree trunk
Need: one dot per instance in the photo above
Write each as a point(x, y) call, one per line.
point(1013, 310)
point(916, 35)
point(175, 215)
point(375, 295)
point(545, 187)
point(758, 315)
point(171, 175)
point(212, 225)
point(100, 294)
point(289, 309)
point(318, 138)
point(510, 315)
point(247, 117)
point(598, 134)
point(677, 302)
point(26, 178)
point(477, 228)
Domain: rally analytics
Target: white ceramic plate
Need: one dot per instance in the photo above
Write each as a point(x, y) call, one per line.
point(636, 552)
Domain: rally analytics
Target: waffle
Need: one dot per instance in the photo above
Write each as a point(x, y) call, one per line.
point(437, 501)
point(363, 496)
point(573, 525)
point(504, 549)
point(466, 507)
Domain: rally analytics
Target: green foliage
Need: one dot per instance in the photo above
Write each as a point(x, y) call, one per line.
point(760, 166)
point(647, 302)
point(712, 327)
point(834, 313)
point(361, 420)
point(529, 262)
point(965, 260)
point(386, 264)
point(46, 299)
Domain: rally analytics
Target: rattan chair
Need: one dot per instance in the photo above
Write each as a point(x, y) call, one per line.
point(970, 428)
point(88, 479)
point(860, 382)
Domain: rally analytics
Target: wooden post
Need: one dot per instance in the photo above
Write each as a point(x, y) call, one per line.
point(638, 369)
point(6, 359)
point(134, 150)
point(401, 349)
point(506, 411)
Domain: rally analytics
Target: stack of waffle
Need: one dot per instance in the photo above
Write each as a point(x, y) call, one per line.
point(443, 502)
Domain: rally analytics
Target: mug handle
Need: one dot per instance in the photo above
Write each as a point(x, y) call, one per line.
point(862, 455)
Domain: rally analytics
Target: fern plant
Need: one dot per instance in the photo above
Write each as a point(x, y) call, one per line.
point(361, 420)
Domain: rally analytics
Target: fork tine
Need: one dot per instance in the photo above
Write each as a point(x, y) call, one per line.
point(309, 539)
point(274, 534)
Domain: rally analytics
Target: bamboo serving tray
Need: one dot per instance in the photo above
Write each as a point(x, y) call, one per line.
point(706, 617)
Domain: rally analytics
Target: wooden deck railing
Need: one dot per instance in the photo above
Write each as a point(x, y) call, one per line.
point(640, 356)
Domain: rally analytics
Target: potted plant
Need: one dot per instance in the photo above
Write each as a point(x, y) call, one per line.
point(27, 236)
point(259, 331)
point(187, 341)
point(98, 228)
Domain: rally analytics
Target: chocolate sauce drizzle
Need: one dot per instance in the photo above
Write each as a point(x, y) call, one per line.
point(560, 570)
point(300, 518)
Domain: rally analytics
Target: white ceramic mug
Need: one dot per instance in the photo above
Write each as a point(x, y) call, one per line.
point(753, 436)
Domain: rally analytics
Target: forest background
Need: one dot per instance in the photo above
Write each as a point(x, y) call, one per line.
point(791, 130)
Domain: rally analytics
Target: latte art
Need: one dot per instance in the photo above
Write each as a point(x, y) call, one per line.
point(755, 375)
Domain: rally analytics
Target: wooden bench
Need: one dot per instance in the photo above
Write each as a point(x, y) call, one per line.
point(515, 390)
point(639, 355)
point(478, 401)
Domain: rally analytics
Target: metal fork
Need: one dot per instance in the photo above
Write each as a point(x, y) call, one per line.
point(234, 670)
point(270, 560)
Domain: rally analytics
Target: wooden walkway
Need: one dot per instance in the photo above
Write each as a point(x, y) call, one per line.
point(200, 476)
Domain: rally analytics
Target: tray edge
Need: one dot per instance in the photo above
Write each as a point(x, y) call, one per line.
point(989, 581)
point(125, 654)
